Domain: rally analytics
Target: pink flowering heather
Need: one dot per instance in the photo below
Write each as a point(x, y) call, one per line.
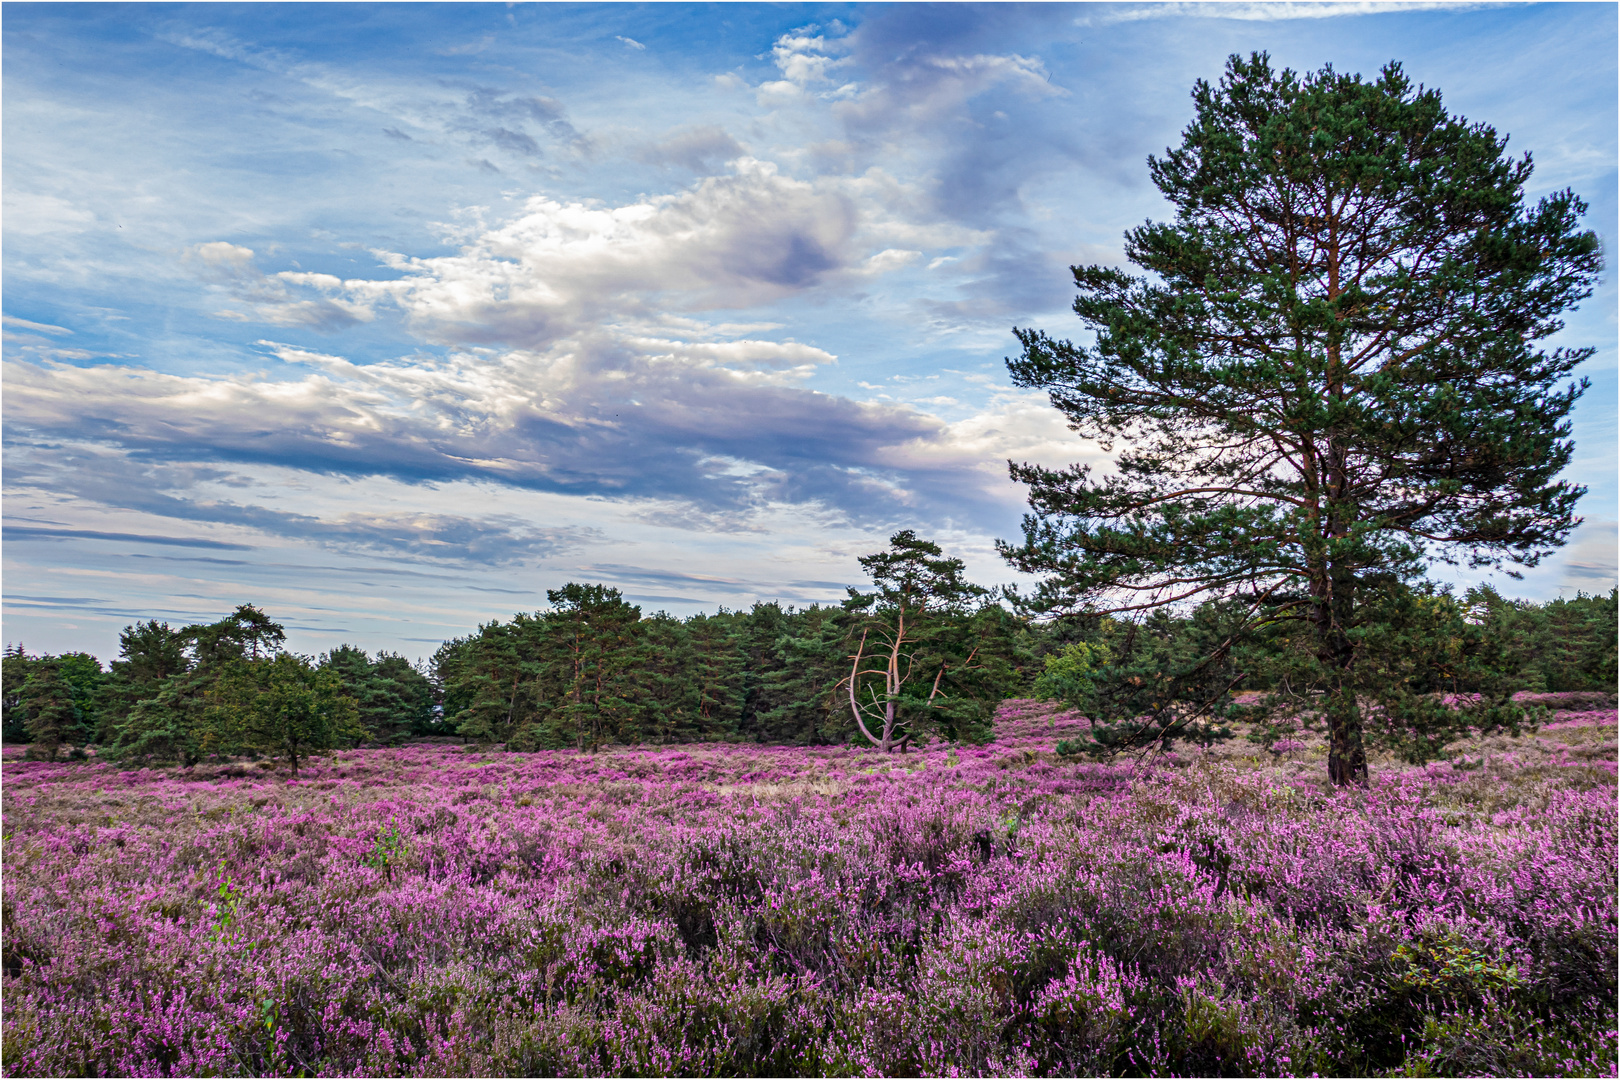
point(1569, 701)
point(718, 909)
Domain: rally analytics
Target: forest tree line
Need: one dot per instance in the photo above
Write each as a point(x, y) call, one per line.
point(923, 654)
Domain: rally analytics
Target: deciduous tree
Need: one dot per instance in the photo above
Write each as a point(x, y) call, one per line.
point(281, 704)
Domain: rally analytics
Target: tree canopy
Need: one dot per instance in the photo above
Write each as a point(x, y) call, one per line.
point(778, 675)
point(929, 655)
point(592, 669)
point(283, 704)
point(1328, 378)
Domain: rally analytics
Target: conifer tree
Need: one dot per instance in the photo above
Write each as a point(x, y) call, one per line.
point(14, 668)
point(395, 700)
point(713, 667)
point(491, 680)
point(148, 654)
point(173, 717)
point(1328, 378)
point(1566, 644)
point(55, 699)
point(667, 685)
point(912, 659)
point(591, 644)
point(795, 662)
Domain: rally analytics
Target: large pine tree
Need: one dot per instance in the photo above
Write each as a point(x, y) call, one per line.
point(1328, 378)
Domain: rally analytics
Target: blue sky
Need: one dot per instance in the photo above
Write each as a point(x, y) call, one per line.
point(388, 318)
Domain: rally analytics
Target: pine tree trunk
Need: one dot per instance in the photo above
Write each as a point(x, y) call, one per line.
point(1347, 756)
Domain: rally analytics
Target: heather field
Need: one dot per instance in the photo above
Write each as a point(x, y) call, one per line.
point(726, 909)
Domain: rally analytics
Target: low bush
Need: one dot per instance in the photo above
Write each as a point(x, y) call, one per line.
point(724, 910)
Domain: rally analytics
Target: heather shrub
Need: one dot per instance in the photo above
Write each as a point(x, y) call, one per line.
point(720, 910)
point(1569, 700)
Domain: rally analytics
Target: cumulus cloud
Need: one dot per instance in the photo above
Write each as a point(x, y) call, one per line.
point(231, 268)
point(579, 357)
point(808, 65)
point(746, 238)
point(701, 149)
point(906, 86)
point(701, 444)
point(930, 87)
point(648, 427)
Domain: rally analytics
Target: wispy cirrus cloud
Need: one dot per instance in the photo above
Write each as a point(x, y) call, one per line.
point(716, 304)
point(1281, 10)
point(41, 532)
point(187, 491)
point(40, 328)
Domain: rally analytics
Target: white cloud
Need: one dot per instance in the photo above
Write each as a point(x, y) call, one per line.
point(577, 360)
point(904, 93)
point(471, 48)
point(888, 260)
point(712, 432)
point(43, 328)
point(802, 57)
point(76, 477)
point(578, 352)
point(700, 148)
point(231, 267)
point(931, 88)
point(731, 241)
point(1016, 426)
point(23, 336)
point(31, 214)
point(1274, 12)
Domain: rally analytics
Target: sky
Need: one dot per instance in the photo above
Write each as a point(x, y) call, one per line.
point(389, 318)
